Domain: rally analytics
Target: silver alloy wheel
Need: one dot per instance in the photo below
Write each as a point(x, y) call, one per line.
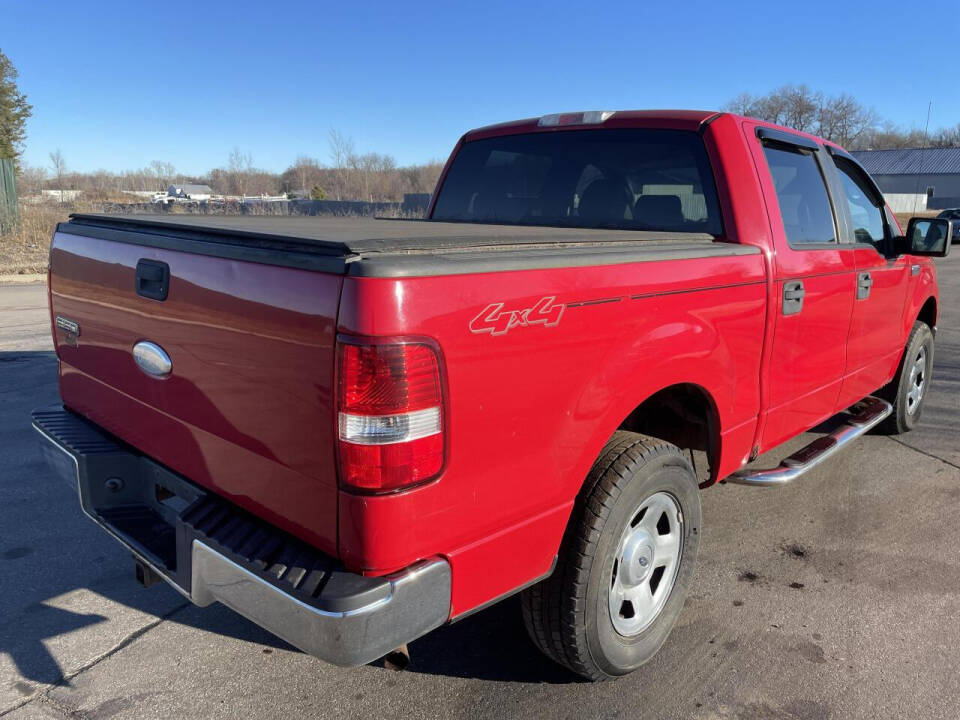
point(646, 564)
point(917, 382)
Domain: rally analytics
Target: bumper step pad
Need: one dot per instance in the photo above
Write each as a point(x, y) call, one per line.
point(213, 551)
point(279, 559)
point(162, 531)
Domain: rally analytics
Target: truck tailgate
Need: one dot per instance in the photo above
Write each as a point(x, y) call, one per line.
point(246, 410)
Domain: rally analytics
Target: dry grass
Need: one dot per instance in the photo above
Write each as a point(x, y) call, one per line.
point(904, 218)
point(24, 251)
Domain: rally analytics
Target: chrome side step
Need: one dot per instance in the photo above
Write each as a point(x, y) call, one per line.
point(862, 417)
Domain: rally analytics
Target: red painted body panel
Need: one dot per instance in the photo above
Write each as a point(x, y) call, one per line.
point(250, 411)
point(808, 352)
point(876, 336)
point(695, 321)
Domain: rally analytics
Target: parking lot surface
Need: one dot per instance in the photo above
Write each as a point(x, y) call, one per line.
point(836, 597)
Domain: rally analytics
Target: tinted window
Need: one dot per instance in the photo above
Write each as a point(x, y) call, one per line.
point(628, 179)
point(867, 218)
point(802, 195)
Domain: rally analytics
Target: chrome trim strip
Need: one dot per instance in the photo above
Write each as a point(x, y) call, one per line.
point(784, 474)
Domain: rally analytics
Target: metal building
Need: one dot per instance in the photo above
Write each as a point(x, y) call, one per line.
point(919, 179)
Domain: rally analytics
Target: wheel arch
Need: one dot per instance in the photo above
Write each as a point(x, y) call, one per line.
point(928, 312)
point(686, 415)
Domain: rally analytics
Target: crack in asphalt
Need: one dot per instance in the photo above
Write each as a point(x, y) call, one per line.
point(923, 452)
point(42, 695)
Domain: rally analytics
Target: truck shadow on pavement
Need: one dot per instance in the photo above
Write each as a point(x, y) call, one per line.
point(490, 645)
point(61, 574)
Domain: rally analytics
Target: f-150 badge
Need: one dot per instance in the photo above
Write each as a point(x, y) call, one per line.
point(495, 320)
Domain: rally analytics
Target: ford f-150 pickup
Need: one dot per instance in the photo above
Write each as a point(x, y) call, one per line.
point(353, 431)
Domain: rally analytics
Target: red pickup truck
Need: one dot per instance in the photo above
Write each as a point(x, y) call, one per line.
point(353, 431)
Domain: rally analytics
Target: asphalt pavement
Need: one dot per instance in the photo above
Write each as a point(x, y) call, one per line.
point(837, 597)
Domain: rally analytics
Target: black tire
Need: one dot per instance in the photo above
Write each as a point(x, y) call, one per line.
point(567, 615)
point(906, 411)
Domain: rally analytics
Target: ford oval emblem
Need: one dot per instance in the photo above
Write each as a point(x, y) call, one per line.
point(152, 359)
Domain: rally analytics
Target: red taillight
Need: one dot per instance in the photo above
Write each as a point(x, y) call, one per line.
point(390, 415)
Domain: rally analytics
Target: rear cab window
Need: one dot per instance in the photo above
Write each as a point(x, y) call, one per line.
point(628, 179)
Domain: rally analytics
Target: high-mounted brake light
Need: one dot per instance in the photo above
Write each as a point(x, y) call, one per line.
point(390, 415)
point(591, 117)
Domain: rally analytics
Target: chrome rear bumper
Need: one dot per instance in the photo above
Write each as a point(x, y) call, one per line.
point(211, 551)
point(418, 602)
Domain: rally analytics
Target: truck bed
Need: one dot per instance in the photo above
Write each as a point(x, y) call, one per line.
point(374, 247)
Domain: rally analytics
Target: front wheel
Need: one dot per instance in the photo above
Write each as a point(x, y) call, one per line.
point(907, 391)
point(625, 563)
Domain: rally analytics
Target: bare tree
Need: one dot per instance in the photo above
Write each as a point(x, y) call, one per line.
point(343, 158)
point(303, 175)
point(100, 180)
point(845, 121)
point(239, 167)
point(371, 177)
point(59, 167)
point(742, 104)
point(31, 179)
point(946, 137)
point(841, 119)
point(164, 172)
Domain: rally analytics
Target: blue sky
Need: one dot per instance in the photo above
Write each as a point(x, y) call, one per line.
point(116, 85)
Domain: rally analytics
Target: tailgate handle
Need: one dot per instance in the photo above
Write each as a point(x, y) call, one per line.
point(153, 279)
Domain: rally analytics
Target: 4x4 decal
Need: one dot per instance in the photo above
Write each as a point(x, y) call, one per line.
point(495, 320)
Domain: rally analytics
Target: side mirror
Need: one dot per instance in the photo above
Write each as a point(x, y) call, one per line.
point(929, 236)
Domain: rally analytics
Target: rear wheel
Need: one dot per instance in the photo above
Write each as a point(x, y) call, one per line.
point(907, 391)
point(625, 563)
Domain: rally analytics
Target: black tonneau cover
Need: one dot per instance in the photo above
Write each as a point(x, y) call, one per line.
point(375, 247)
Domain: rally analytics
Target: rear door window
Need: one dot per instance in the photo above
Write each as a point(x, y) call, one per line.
point(802, 196)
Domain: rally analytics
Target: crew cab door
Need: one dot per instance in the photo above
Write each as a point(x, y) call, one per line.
point(875, 341)
point(815, 281)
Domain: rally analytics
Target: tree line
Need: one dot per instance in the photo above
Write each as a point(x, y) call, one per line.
point(839, 118)
point(374, 177)
point(349, 175)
